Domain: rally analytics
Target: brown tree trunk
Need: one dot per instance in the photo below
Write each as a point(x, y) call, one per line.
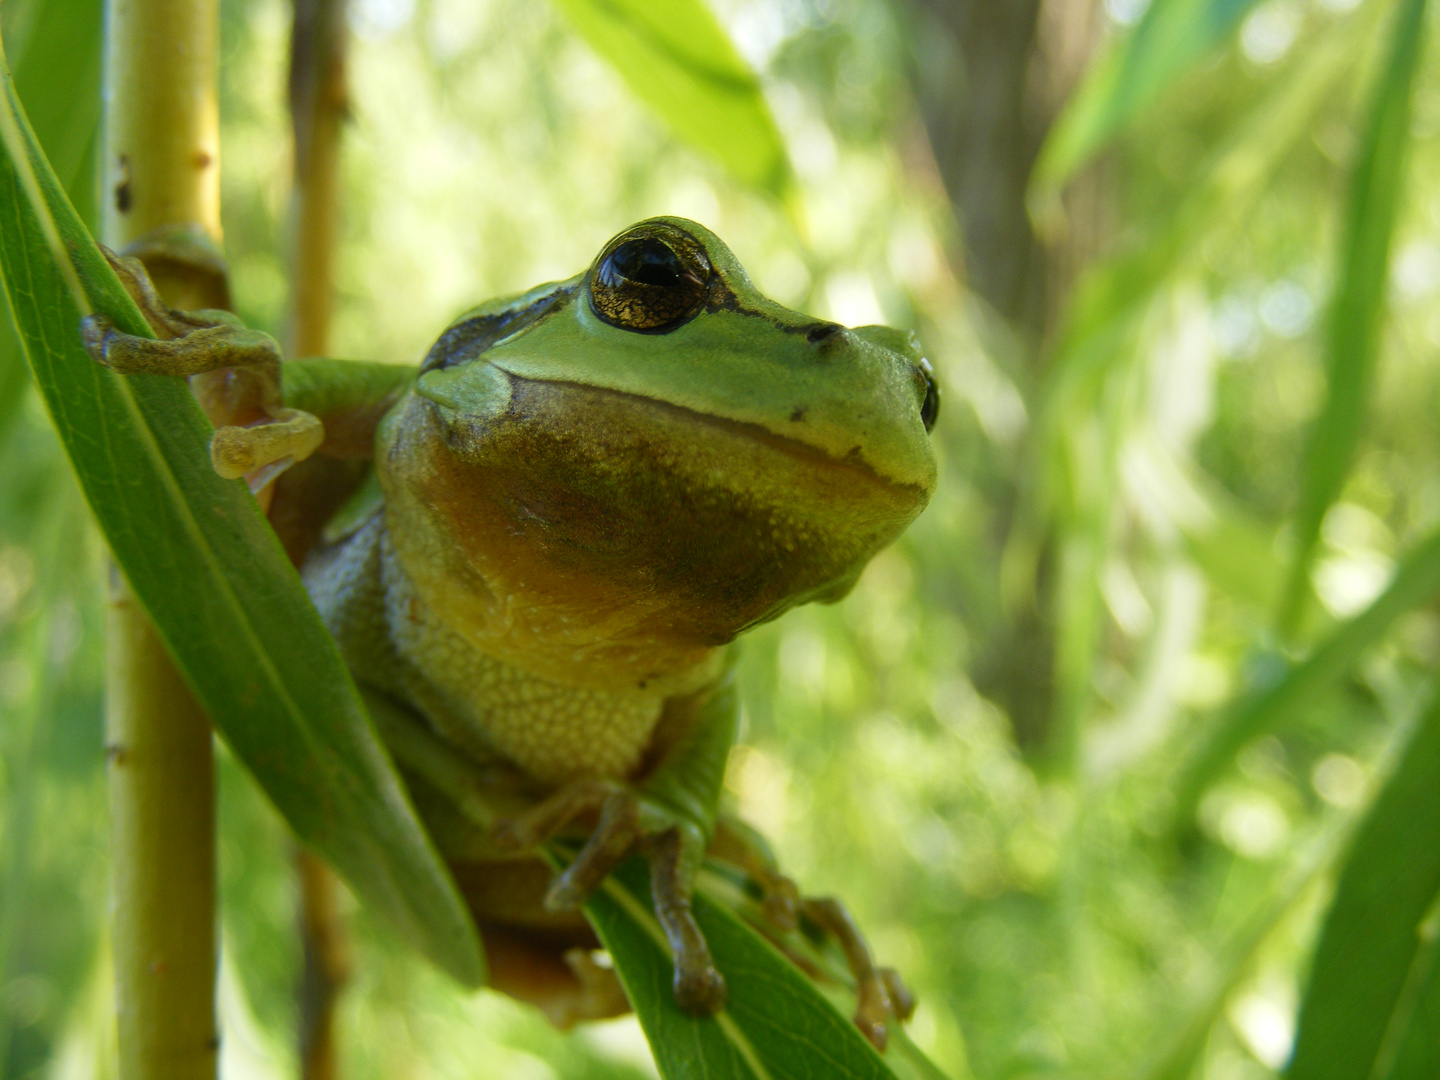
point(990, 77)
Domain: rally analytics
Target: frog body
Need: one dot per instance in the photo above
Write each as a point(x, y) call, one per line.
point(585, 494)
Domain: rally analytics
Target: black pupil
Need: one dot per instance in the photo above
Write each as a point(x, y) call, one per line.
point(644, 261)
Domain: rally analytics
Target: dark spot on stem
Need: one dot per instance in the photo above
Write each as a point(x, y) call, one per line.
point(123, 199)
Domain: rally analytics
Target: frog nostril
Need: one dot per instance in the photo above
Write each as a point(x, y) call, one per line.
point(822, 331)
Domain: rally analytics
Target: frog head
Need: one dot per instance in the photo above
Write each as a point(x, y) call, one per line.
point(651, 457)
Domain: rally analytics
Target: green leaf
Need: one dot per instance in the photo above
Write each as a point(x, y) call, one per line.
point(1376, 947)
point(777, 1024)
point(1416, 583)
point(677, 59)
point(60, 35)
point(56, 35)
point(1183, 1033)
point(1353, 331)
point(1092, 392)
point(211, 573)
point(1170, 38)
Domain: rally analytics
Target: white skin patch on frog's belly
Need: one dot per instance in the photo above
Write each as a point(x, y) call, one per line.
point(486, 707)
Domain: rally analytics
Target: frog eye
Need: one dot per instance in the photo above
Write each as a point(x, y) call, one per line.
point(930, 406)
point(650, 279)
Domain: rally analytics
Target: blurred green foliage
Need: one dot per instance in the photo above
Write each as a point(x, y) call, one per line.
point(1126, 900)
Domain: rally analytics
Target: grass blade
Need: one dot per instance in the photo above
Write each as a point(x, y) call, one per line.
point(210, 572)
point(1416, 582)
point(1353, 331)
point(678, 60)
point(1373, 942)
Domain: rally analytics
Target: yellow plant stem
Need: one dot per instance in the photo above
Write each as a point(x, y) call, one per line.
point(162, 811)
point(161, 166)
point(327, 966)
point(317, 109)
point(161, 201)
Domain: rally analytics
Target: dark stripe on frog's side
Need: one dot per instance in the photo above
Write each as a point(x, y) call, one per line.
point(468, 339)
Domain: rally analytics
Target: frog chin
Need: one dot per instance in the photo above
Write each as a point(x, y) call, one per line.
point(631, 535)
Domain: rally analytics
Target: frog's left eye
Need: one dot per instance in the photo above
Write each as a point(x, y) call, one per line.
point(650, 279)
point(930, 406)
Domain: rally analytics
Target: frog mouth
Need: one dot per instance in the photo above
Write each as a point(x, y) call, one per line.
point(797, 449)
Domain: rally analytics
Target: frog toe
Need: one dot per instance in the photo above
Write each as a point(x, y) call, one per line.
point(545, 819)
point(613, 840)
point(902, 1001)
point(262, 451)
point(700, 989)
point(880, 995)
point(674, 857)
point(200, 350)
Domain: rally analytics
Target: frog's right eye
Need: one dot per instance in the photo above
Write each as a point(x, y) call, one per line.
point(650, 279)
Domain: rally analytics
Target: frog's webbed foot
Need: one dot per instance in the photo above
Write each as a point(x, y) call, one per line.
point(269, 437)
point(630, 823)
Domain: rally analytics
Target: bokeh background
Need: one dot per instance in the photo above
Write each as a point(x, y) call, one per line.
point(990, 749)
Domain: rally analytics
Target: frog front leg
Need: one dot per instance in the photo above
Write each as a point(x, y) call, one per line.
point(881, 995)
point(668, 817)
point(258, 436)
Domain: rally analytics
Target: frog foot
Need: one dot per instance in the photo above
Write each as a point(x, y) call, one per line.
point(881, 995)
point(258, 451)
point(262, 451)
point(598, 996)
point(631, 823)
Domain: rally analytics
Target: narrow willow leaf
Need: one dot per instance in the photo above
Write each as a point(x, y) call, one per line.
point(678, 60)
point(1117, 292)
point(1353, 331)
point(1411, 1050)
point(14, 377)
point(1182, 1036)
point(210, 572)
point(1081, 412)
point(57, 35)
point(62, 35)
point(1416, 583)
point(1170, 38)
point(1373, 944)
point(776, 1025)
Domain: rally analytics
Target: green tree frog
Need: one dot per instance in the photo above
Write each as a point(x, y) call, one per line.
point(582, 496)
